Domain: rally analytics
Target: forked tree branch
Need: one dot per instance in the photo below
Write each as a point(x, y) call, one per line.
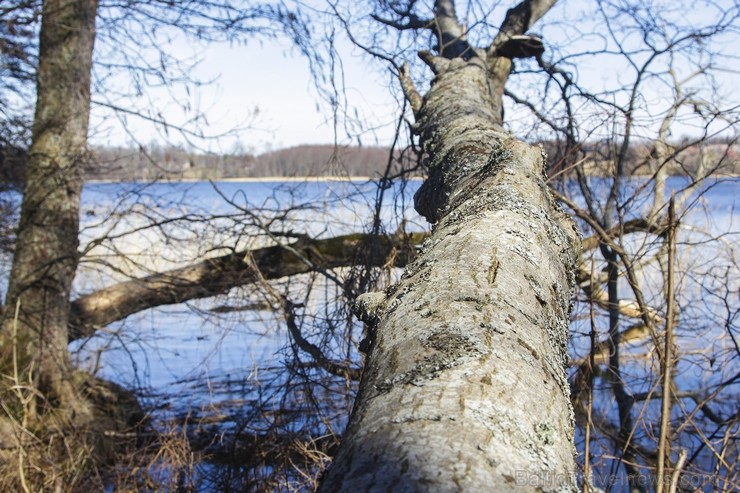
point(518, 21)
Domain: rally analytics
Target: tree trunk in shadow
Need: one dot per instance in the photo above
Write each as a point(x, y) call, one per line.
point(35, 318)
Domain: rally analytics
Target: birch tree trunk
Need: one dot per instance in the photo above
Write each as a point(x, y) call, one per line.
point(464, 387)
point(35, 319)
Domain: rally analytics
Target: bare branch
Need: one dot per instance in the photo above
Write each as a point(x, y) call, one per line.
point(338, 369)
point(412, 22)
point(451, 36)
point(409, 89)
point(518, 21)
point(218, 275)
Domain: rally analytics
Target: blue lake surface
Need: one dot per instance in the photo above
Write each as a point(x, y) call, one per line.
point(175, 343)
point(183, 349)
point(190, 356)
point(172, 342)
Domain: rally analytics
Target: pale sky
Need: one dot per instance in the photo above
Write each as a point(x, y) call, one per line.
point(275, 80)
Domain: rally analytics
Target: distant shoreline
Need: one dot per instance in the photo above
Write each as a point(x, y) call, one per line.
point(262, 179)
point(298, 179)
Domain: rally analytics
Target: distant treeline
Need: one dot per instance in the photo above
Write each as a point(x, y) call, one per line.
point(170, 162)
point(718, 156)
point(326, 160)
point(174, 162)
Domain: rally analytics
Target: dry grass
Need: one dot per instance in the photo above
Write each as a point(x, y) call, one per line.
point(166, 462)
point(38, 451)
point(62, 457)
point(56, 455)
point(46, 453)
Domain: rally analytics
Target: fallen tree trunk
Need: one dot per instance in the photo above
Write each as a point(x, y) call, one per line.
point(464, 386)
point(218, 275)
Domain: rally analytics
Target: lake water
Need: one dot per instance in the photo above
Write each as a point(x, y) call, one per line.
point(188, 350)
point(190, 356)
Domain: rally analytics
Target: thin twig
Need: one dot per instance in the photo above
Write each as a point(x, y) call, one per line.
point(664, 445)
point(677, 471)
point(589, 408)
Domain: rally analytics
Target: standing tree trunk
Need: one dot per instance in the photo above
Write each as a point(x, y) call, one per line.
point(464, 386)
point(34, 329)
